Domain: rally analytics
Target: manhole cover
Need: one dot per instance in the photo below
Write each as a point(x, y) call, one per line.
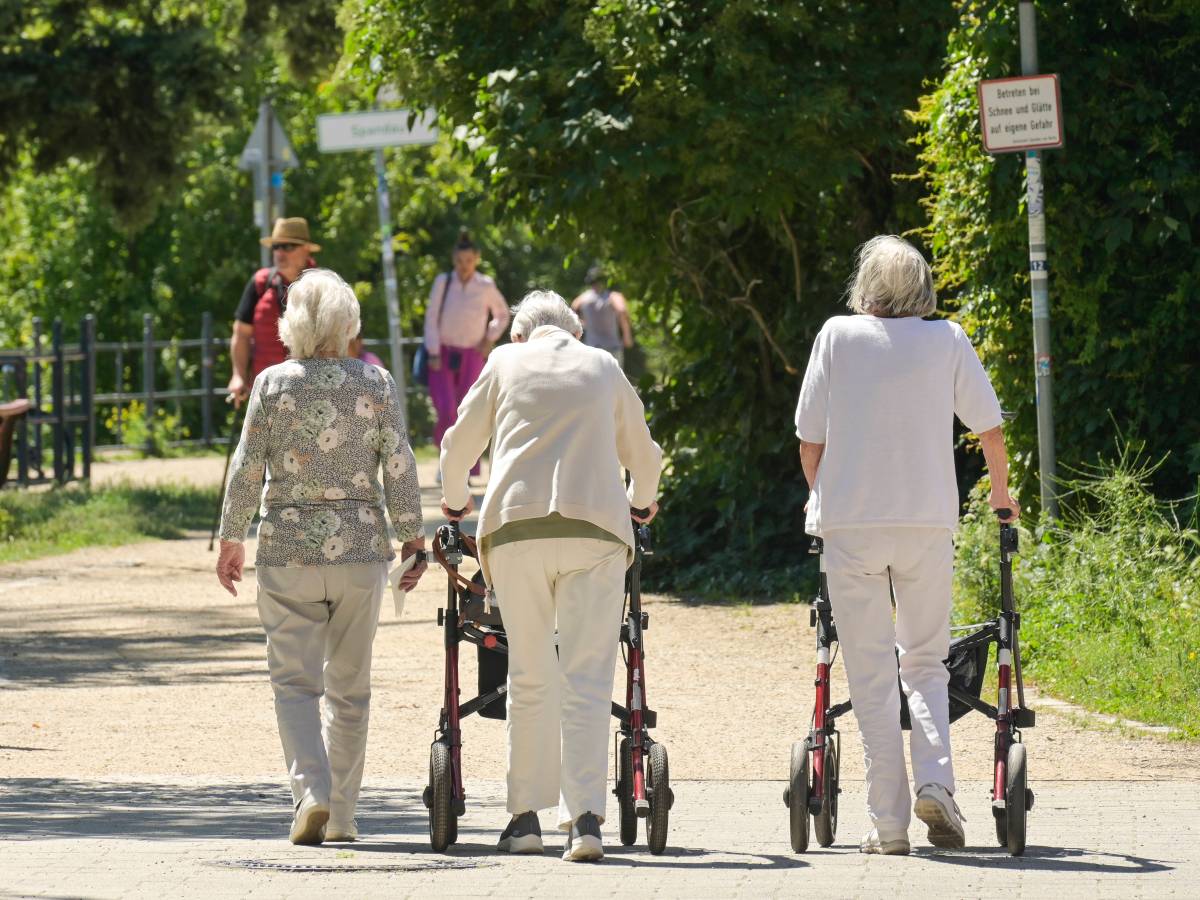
point(302, 866)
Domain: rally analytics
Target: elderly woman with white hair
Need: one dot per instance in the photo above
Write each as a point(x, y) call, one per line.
point(320, 427)
point(876, 428)
point(555, 540)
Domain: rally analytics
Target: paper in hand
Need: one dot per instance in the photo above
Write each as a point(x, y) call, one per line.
point(394, 576)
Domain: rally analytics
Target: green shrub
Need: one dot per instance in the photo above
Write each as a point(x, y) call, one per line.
point(1109, 596)
point(42, 523)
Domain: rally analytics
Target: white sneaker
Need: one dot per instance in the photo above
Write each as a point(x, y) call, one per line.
point(873, 843)
point(308, 825)
point(935, 807)
point(341, 834)
point(583, 842)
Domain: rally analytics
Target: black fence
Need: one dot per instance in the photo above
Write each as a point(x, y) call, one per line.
point(146, 395)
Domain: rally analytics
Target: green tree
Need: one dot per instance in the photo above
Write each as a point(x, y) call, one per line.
point(1122, 212)
point(129, 85)
point(729, 156)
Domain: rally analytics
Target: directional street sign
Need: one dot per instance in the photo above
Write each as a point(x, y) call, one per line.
point(266, 154)
point(282, 154)
point(372, 130)
point(1020, 113)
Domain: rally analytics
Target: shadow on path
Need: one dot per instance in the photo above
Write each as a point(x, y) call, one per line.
point(70, 808)
point(1052, 859)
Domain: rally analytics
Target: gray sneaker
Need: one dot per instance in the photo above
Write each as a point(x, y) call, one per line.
point(583, 843)
point(308, 825)
point(523, 835)
point(935, 807)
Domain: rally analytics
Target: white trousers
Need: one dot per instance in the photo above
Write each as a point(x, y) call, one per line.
point(559, 706)
point(320, 623)
point(920, 562)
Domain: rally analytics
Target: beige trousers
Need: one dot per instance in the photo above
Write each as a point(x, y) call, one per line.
point(320, 623)
point(559, 705)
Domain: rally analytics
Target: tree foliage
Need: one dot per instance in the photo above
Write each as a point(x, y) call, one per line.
point(728, 156)
point(1122, 213)
point(129, 86)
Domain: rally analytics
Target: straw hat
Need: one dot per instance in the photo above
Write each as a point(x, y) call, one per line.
point(290, 231)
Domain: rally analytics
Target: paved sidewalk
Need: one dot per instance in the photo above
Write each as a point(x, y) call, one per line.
point(62, 837)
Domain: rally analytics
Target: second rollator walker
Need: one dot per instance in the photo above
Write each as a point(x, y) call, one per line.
point(643, 787)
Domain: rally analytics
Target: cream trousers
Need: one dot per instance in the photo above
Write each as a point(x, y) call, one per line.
point(559, 706)
point(320, 623)
point(920, 562)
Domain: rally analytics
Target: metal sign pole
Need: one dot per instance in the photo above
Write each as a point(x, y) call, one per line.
point(390, 288)
point(263, 182)
point(1039, 284)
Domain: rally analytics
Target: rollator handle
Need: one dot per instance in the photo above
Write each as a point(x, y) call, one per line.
point(452, 543)
point(1008, 532)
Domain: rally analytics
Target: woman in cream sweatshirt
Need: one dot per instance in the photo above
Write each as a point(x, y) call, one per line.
point(555, 539)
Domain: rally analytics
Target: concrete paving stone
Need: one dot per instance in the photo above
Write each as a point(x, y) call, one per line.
point(1089, 840)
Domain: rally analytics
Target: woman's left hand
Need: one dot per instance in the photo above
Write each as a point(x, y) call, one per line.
point(409, 579)
point(229, 564)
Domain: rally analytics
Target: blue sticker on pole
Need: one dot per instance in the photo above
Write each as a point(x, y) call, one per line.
point(276, 179)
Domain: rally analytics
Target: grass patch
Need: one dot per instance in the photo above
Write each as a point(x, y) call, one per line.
point(1109, 596)
point(62, 519)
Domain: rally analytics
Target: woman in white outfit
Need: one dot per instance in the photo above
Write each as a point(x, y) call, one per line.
point(555, 540)
point(320, 428)
point(876, 428)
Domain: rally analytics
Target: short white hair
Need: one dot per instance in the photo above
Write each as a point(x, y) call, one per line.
point(891, 279)
point(322, 315)
point(538, 308)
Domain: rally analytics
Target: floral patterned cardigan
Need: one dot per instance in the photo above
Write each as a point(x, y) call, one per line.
point(319, 430)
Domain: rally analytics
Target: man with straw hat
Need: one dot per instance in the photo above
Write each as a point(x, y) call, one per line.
point(255, 344)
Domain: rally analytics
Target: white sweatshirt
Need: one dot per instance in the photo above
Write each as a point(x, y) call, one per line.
point(881, 395)
point(562, 419)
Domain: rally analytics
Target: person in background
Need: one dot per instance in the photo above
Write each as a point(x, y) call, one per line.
point(465, 317)
point(325, 431)
point(555, 539)
point(605, 316)
point(255, 343)
point(359, 350)
point(876, 428)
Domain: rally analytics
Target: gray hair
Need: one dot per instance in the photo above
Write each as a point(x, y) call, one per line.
point(322, 315)
point(540, 308)
point(891, 280)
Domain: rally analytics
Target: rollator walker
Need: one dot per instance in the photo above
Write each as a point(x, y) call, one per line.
point(642, 780)
point(820, 753)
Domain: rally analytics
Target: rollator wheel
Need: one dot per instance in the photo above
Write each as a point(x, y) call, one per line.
point(660, 799)
point(629, 824)
point(825, 822)
point(798, 796)
point(443, 824)
point(1015, 799)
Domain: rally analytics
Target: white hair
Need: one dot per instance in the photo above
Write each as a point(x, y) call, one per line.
point(891, 279)
point(322, 315)
point(539, 308)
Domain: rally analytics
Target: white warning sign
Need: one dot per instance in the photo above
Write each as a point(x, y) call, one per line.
point(1020, 113)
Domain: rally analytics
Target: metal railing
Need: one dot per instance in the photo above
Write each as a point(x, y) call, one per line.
point(175, 372)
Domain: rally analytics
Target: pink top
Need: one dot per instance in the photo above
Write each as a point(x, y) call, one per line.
point(474, 310)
